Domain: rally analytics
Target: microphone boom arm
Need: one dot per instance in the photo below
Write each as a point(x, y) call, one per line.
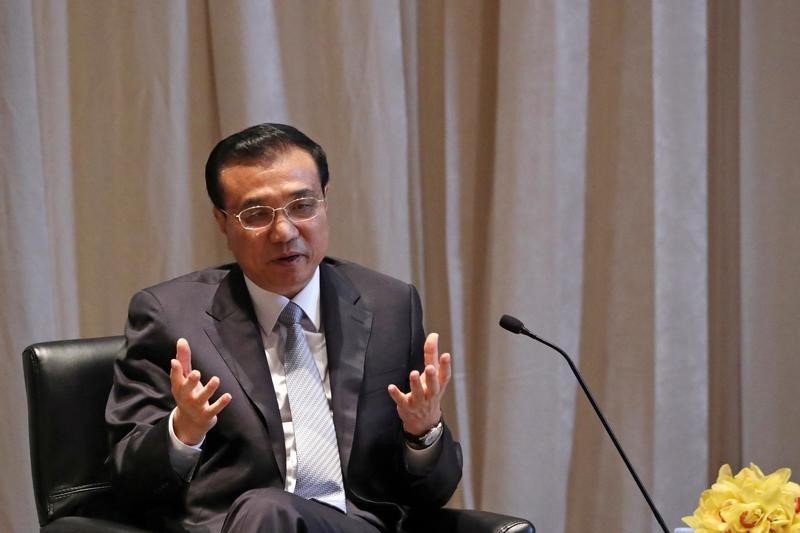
point(517, 327)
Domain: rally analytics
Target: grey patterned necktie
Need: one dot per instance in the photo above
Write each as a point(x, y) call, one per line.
point(319, 472)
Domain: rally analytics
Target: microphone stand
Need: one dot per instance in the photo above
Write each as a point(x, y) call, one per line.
point(515, 326)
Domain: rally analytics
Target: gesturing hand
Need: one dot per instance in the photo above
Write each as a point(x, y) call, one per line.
point(194, 416)
point(420, 408)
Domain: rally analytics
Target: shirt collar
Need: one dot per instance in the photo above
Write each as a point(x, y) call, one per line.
point(268, 305)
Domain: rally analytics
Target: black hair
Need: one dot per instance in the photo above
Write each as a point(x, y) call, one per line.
point(261, 143)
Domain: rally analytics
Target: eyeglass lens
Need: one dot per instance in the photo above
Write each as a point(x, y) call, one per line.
point(297, 210)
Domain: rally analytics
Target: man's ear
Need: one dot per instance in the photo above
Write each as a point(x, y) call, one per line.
point(221, 219)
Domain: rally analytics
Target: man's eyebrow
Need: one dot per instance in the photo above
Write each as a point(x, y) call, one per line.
point(252, 201)
point(303, 193)
point(261, 200)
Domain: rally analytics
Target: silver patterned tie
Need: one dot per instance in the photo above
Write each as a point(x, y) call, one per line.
point(319, 472)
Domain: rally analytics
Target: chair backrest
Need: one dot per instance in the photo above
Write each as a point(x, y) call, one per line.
point(67, 385)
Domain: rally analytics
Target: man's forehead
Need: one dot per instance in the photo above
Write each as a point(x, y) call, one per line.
point(252, 170)
point(247, 187)
point(294, 161)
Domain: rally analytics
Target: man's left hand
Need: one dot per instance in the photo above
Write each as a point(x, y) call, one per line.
point(420, 408)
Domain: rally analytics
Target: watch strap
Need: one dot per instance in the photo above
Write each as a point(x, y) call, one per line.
point(419, 442)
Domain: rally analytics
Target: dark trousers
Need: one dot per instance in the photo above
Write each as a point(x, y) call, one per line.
point(269, 510)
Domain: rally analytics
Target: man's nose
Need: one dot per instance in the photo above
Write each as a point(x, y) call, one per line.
point(283, 229)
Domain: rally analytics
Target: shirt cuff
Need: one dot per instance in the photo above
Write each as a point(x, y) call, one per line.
point(419, 462)
point(183, 457)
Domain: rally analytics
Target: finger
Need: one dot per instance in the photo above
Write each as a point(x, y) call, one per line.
point(417, 390)
point(175, 373)
point(432, 349)
point(222, 402)
point(186, 390)
point(184, 354)
point(206, 392)
point(445, 369)
point(397, 395)
point(431, 381)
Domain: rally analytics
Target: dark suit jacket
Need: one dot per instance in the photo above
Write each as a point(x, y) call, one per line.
point(374, 337)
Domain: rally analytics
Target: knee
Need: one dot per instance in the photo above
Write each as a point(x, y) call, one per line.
point(263, 509)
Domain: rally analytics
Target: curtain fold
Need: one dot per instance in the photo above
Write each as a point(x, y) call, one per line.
point(680, 118)
point(35, 284)
point(770, 193)
point(622, 176)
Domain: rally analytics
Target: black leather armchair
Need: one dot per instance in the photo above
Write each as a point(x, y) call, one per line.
point(67, 384)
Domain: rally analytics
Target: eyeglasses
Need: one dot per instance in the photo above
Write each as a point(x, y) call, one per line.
point(261, 216)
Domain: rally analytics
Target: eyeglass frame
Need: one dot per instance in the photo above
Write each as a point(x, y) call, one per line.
point(275, 210)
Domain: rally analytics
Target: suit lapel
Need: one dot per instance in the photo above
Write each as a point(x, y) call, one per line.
point(347, 327)
point(236, 335)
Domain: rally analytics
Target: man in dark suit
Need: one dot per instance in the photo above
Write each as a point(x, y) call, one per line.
point(212, 416)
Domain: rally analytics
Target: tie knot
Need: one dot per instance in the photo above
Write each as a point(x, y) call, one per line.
point(291, 314)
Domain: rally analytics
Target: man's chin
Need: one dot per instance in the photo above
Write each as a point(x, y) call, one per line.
point(286, 280)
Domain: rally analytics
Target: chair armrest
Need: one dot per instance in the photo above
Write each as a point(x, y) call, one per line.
point(444, 520)
point(80, 524)
point(467, 521)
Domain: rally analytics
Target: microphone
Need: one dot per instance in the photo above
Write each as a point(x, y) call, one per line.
point(515, 325)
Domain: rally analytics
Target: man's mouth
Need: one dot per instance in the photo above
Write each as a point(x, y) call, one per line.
point(289, 258)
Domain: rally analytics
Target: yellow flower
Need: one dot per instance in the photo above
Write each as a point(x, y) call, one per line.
point(749, 502)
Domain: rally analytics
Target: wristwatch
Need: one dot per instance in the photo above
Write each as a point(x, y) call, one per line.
point(426, 439)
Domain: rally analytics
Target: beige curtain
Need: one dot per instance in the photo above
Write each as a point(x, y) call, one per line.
point(623, 176)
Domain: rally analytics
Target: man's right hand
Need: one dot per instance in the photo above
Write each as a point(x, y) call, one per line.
point(194, 416)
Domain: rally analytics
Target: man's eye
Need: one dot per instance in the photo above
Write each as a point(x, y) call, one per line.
point(256, 214)
point(303, 204)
